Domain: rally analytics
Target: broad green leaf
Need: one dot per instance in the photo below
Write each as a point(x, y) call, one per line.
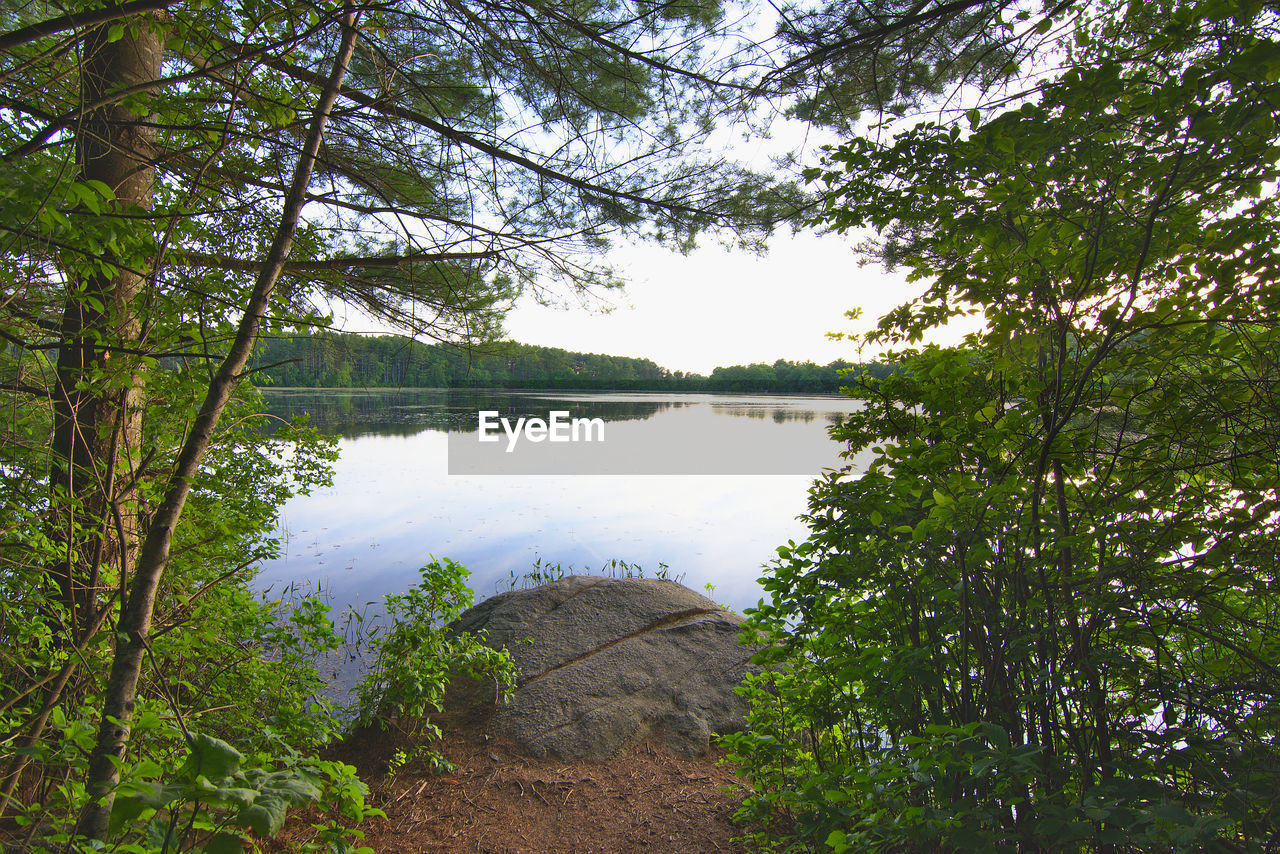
point(210, 757)
point(265, 816)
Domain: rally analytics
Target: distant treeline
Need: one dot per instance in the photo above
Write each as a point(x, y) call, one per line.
point(343, 360)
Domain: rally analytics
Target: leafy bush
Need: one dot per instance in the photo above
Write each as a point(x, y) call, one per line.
point(206, 795)
point(418, 654)
point(223, 662)
point(1047, 616)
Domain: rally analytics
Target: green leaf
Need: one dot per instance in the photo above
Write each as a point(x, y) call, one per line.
point(210, 757)
point(294, 786)
point(266, 816)
point(135, 800)
point(229, 796)
point(224, 843)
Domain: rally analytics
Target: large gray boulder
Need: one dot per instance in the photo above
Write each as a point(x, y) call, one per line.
point(605, 663)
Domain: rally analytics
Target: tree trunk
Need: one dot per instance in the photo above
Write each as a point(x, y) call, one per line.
point(135, 618)
point(97, 412)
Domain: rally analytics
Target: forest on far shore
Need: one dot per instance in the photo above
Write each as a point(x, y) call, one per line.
point(346, 360)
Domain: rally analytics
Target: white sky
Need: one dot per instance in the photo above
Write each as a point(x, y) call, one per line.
point(720, 306)
point(724, 307)
point(717, 306)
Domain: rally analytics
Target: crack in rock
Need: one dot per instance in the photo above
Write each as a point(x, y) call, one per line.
point(615, 666)
point(660, 623)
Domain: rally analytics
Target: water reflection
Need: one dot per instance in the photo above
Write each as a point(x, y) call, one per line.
point(393, 503)
point(779, 416)
point(351, 413)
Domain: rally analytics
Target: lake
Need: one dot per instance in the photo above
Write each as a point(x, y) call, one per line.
point(701, 488)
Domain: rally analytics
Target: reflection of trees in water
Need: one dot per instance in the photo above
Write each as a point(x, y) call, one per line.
point(407, 412)
point(779, 415)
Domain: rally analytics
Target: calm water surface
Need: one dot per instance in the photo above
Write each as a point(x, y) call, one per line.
point(393, 503)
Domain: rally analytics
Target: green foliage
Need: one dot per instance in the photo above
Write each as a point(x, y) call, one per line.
point(222, 658)
point(1044, 619)
point(195, 791)
point(843, 58)
point(348, 360)
point(963, 670)
point(149, 163)
point(418, 654)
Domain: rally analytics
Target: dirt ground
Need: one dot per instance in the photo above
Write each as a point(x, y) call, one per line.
point(499, 801)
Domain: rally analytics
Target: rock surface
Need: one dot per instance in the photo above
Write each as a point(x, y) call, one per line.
point(605, 663)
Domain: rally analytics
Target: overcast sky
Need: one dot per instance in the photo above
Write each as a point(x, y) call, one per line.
point(715, 306)
point(721, 307)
